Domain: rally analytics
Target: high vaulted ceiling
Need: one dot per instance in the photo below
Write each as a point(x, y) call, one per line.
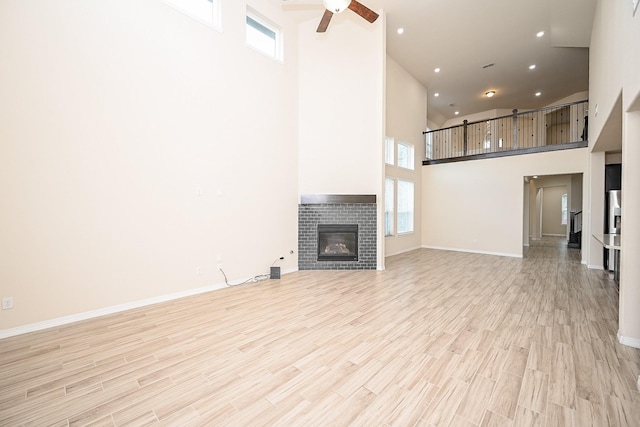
point(460, 37)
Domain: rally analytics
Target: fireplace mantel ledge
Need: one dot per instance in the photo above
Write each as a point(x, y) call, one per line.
point(320, 199)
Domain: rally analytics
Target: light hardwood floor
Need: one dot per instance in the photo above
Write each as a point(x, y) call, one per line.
point(438, 339)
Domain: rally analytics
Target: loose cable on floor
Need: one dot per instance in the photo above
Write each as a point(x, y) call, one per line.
point(253, 279)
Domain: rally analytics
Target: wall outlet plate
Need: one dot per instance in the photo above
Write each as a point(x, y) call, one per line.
point(7, 303)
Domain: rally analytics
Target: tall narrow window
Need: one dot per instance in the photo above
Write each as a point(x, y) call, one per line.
point(487, 136)
point(389, 148)
point(205, 11)
point(564, 209)
point(263, 35)
point(405, 155)
point(389, 202)
point(405, 206)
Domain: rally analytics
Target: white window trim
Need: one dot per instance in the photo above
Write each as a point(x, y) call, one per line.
point(279, 42)
point(412, 160)
point(216, 12)
point(413, 209)
point(393, 207)
point(390, 148)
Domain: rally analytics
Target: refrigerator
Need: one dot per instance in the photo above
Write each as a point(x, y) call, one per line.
point(613, 222)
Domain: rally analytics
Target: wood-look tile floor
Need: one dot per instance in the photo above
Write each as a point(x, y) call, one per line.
point(438, 339)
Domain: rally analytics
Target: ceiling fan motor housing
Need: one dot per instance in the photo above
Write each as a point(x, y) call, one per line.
point(336, 6)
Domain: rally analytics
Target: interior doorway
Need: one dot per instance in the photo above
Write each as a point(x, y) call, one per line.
point(553, 207)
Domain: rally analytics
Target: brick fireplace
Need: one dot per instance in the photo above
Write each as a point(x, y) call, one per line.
point(337, 232)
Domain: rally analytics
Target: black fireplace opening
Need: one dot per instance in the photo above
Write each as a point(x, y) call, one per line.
point(337, 242)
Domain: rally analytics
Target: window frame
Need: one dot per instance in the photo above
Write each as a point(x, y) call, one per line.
point(214, 21)
point(389, 202)
point(428, 145)
point(411, 154)
point(410, 212)
point(266, 24)
point(389, 151)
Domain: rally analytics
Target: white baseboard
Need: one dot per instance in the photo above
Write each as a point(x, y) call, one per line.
point(473, 251)
point(595, 267)
point(554, 235)
point(631, 342)
point(404, 251)
point(60, 321)
point(65, 320)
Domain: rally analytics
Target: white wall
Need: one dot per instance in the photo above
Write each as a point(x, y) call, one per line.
point(476, 117)
point(593, 221)
point(576, 97)
point(406, 119)
point(535, 202)
point(477, 206)
point(113, 116)
point(341, 115)
point(552, 212)
point(613, 73)
point(576, 193)
point(630, 268)
point(341, 109)
point(492, 114)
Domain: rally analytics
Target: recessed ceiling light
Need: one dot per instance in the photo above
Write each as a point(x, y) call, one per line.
point(436, 94)
point(490, 94)
point(532, 66)
point(437, 70)
point(540, 34)
point(538, 93)
point(400, 30)
point(535, 176)
point(456, 113)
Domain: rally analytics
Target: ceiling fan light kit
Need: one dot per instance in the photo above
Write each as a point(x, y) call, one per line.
point(338, 6)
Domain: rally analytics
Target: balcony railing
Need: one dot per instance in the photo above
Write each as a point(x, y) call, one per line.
point(552, 128)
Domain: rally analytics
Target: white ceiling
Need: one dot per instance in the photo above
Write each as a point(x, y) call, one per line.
point(460, 36)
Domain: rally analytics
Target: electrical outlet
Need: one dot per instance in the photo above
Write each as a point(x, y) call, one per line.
point(198, 271)
point(220, 266)
point(7, 303)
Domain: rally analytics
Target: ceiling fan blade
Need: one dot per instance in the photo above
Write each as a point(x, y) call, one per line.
point(324, 22)
point(363, 11)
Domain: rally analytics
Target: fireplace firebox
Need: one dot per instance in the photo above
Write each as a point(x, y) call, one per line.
point(337, 242)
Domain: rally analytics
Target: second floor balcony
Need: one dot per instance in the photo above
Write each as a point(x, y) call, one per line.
point(553, 128)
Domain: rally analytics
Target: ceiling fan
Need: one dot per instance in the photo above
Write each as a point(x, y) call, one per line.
point(339, 6)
